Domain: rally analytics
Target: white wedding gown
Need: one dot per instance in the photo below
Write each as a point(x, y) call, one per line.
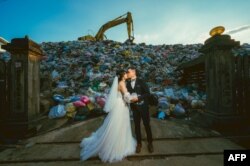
point(113, 140)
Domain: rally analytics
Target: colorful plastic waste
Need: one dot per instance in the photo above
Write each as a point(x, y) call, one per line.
point(82, 72)
point(161, 115)
point(57, 111)
point(79, 104)
point(58, 98)
point(70, 110)
point(179, 110)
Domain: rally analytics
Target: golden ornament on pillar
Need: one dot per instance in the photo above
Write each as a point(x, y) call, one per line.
point(217, 31)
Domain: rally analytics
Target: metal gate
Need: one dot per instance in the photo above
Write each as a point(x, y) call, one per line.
point(4, 92)
point(227, 78)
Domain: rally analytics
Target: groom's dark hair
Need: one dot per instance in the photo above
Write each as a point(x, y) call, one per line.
point(137, 72)
point(132, 68)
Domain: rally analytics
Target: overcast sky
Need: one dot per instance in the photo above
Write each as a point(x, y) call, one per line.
point(155, 21)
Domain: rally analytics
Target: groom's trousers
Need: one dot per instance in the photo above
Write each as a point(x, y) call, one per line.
point(144, 115)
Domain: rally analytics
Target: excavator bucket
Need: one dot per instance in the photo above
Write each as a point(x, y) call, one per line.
point(87, 37)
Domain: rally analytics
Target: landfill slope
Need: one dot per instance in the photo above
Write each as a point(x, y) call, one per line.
point(77, 68)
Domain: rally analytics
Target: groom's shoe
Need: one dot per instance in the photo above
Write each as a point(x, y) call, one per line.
point(138, 148)
point(150, 148)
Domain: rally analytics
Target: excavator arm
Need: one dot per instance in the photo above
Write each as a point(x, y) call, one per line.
point(115, 22)
point(119, 20)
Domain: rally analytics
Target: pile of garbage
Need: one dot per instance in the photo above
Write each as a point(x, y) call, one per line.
point(80, 64)
point(76, 107)
point(244, 50)
point(76, 75)
point(176, 101)
point(75, 69)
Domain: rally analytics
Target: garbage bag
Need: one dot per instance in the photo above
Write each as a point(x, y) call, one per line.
point(58, 98)
point(57, 111)
point(183, 94)
point(159, 93)
point(91, 106)
point(55, 74)
point(100, 101)
point(74, 98)
point(163, 104)
point(171, 107)
point(92, 99)
point(102, 85)
point(62, 84)
point(179, 110)
point(70, 107)
point(79, 104)
point(161, 115)
point(85, 99)
point(169, 92)
point(70, 110)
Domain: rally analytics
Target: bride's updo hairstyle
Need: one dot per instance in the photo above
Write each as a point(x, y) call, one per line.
point(120, 74)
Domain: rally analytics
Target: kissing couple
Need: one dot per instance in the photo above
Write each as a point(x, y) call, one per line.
point(113, 140)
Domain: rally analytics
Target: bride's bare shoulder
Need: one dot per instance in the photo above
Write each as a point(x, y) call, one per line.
point(122, 85)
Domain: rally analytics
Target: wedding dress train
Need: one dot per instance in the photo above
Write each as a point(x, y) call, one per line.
point(113, 140)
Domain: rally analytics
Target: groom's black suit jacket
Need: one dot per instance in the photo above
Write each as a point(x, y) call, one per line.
point(142, 91)
point(141, 111)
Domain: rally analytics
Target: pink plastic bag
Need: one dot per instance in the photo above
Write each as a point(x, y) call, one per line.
point(100, 101)
point(79, 104)
point(85, 99)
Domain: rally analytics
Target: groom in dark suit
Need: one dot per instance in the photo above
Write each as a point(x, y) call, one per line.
point(139, 107)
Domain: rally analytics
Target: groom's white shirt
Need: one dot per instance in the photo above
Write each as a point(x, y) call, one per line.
point(133, 83)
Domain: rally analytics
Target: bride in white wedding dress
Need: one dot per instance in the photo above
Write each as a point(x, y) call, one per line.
point(113, 140)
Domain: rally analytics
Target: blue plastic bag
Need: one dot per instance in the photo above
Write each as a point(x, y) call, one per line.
point(58, 98)
point(74, 98)
point(163, 104)
point(57, 111)
point(62, 84)
point(161, 115)
point(179, 110)
point(55, 74)
point(183, 94)
point(169, 92)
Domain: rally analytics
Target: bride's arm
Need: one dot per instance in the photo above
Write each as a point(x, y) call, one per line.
point(125, 93)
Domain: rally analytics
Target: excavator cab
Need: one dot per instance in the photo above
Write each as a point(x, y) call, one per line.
point(126, 18)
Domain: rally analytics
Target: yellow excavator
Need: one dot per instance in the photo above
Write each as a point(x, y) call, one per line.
point(126, 18)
